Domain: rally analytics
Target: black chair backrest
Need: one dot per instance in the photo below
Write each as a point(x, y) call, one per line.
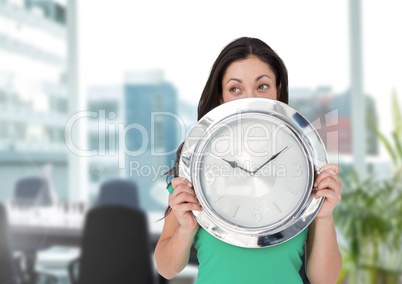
point(115, 247)
point(119, 192)
point(7, 268)
point(32, 191)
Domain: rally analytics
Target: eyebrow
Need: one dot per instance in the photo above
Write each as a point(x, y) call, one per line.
point(259, 77)
point(240, 81)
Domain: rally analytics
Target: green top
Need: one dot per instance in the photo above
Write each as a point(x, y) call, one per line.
point(223, 263)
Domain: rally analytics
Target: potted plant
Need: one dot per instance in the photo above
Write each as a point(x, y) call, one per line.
point(369, 217)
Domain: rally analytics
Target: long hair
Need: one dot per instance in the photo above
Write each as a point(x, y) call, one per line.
point(238, 49)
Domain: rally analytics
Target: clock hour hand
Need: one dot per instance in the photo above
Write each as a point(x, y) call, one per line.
point(270, 159)
point(233, 164)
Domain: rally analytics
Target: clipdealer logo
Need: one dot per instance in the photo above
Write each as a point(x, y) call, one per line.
point(112, 135)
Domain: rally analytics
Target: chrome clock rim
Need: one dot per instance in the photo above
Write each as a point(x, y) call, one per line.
point(263, 236)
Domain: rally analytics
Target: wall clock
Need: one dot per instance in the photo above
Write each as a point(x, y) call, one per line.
point(252, 163)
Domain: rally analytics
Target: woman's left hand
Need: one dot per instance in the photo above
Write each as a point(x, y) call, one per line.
point(328, 185)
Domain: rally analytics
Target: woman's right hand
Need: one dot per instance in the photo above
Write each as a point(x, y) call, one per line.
point(182, 201)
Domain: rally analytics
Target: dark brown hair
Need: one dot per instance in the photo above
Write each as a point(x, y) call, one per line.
point(238, 49)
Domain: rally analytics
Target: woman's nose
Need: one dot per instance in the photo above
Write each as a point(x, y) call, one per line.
point(251, 94)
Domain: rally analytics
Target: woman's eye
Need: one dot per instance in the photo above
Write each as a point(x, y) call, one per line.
point(263, 87)
point(234, 90)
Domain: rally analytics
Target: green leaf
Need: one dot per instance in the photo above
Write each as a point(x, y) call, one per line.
point(369, 214)
point(396, 114)
point(383, 139)
point(398, 146)
point(388, 147)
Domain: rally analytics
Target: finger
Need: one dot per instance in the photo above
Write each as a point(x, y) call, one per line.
point(179, 180)
point(327, 182)
point(184, 203)
point(332, 168)
point(182, 188)
point(185, 207)
point(330, 196)
point(183, 198)
point(326, 175)
point(180, 184)
point(331, 186)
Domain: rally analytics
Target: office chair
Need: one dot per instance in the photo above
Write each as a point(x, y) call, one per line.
point(11, 271)
point(119, 192)
point(8, 272)
point(32, 191)
point(115, 248)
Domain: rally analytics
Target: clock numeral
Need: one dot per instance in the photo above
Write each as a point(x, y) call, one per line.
point(236, 210)
point(277, 207)
point(219, 197)
point(291, 190)
point(257, 215)
point(210, 173)
point(210, 178)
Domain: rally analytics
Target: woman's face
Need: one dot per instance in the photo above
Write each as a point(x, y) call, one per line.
point(248, 78)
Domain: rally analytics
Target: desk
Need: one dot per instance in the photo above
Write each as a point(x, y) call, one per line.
point(29, 237)
point(38, 236)
point(32, 237)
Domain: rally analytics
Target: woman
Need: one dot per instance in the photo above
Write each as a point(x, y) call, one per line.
point(248, 67)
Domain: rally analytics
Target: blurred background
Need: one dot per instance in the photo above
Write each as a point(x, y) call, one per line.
point(97, 95)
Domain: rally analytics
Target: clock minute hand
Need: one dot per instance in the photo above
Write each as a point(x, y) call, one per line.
point(270, 159)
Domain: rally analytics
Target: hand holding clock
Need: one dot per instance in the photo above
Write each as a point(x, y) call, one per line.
point(329, 186)
point(183, 201)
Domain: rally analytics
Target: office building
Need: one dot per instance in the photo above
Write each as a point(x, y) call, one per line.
point(33, 93)
point(341, 102)
point(331, 114)
point(135, 130)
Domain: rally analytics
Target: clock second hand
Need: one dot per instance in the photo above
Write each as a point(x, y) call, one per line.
point(233, 164)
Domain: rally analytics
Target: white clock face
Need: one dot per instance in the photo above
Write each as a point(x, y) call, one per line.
point(253, 171)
